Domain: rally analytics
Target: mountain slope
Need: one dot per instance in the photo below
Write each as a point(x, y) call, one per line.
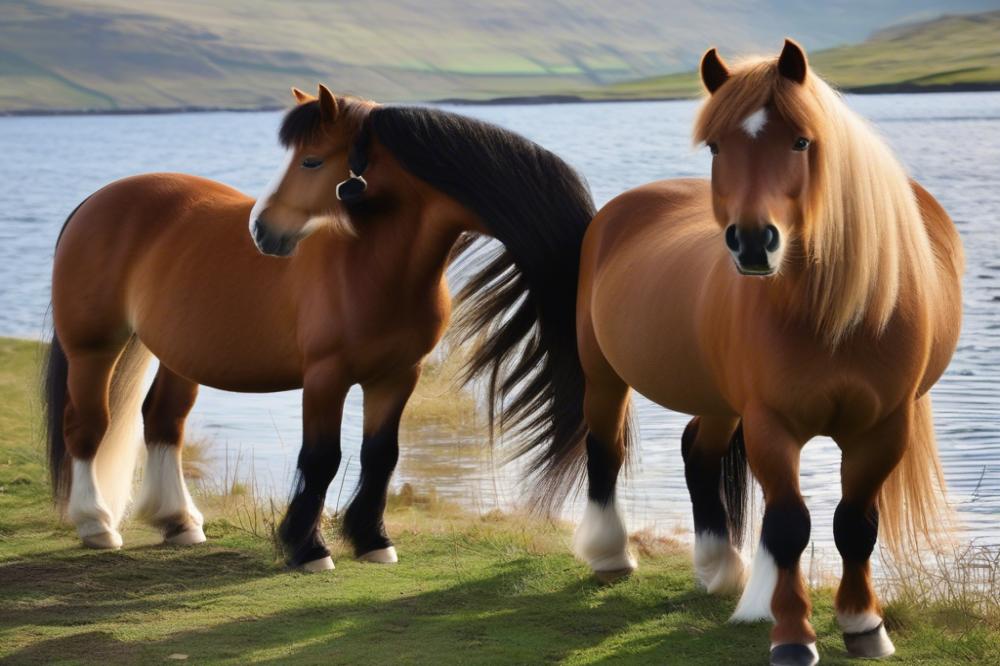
point(118, 54)
point(951, 52)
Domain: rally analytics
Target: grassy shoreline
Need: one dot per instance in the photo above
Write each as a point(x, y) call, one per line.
point(497, 588)
point(600, 97)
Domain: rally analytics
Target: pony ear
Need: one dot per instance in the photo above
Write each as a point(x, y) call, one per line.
point(792, 62)
point(301, 97)
point(713, 70)
point(327, 104)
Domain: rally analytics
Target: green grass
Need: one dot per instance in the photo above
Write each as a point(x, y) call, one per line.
point(952, 51)
point(494, 589)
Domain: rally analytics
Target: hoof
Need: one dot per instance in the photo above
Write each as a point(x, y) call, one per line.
point(613, 568)
point(720, 568)
point(872, 644)
point(322, 564)
point(794, 654)
point(103, 541)
point(188, 537)
point(380, 556)
point(613, 576)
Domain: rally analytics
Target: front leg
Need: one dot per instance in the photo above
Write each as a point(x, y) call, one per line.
point(363, 524)
point(324, 390)
point(776, 589)
point(868, 460)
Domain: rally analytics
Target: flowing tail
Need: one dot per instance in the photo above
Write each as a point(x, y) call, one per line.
point(736, 481)
point(116, 457)
point(54, 395)
point(913, 508)
point(518, 310)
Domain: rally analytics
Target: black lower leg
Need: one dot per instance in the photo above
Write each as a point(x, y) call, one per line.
point(603, 464)
point(703, 474)
point(855, 531)
point(300, 530)
point(785, 531)
point(363, 524)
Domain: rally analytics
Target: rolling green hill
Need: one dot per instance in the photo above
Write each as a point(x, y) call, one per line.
point(951, 52)
point(107, 55)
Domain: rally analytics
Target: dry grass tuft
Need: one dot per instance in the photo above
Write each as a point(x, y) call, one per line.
point(963, 583)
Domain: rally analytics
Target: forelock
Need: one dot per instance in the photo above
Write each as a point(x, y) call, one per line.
point(303, 124)
point(751, 87)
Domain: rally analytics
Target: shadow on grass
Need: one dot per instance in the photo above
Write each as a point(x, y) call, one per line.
point(496, 617)
point(74, 586)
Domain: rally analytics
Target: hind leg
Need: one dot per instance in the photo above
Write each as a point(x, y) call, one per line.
point(363, 524)
point(868, 459)
point(718, 564)
point(164, 501)
point(601, 539)
point(85, 423)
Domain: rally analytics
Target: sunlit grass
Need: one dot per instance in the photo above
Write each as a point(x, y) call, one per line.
point(496, 588)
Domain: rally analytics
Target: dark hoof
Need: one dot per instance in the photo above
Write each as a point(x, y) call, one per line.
point(612, 577)
point(872, 644)
point(794, 654)
point(308, 555)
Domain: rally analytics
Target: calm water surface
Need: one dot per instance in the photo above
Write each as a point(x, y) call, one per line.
point(950, 142)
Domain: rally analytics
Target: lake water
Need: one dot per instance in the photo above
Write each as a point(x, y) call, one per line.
point(950, 142)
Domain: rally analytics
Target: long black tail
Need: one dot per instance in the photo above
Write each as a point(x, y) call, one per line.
point(519, 309)
point(736, 487)
point(54, 394)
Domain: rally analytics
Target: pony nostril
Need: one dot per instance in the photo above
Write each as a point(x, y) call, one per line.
point(772, 238)
point(732, 241)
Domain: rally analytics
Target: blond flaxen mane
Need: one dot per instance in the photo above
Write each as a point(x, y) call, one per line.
point(864, 237)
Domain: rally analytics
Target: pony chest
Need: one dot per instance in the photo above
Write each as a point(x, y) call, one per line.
point(835, 393)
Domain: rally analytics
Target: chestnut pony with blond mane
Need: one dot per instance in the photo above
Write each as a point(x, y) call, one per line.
point(374, 203)
point(811, 288)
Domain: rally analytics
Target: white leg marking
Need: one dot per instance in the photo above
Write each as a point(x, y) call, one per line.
point(601, 539)
point(380, 556)
point(857, 623)
point(755, 604)
point(87, 510)
point(164, 500)
point(755, 122)
point(720, 567)
point(861, 638)
point(322, 564)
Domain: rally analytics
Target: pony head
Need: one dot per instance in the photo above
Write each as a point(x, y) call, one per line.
point(760, 128)
point(802, 184)
point(311, 191)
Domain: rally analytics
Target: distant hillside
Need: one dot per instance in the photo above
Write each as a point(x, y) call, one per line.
point(171, 54)
point(951, 52)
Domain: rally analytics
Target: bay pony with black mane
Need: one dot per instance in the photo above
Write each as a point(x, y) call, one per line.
point(810, 288)
point(372, 205)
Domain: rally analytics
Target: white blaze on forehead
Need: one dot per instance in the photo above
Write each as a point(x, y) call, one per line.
point(755, 122)
point(272, 186)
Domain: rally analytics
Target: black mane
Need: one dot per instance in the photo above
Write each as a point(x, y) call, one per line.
point(538, 207)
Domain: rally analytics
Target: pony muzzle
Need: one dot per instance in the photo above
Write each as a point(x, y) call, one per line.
point(270, 241)
point(756, 250)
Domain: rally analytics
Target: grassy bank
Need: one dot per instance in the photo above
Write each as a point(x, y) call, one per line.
point(950, 53)
point(492, 589)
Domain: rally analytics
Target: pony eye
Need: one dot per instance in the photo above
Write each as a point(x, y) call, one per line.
point(713, 148)
point(312, 163)
point(801, 144)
